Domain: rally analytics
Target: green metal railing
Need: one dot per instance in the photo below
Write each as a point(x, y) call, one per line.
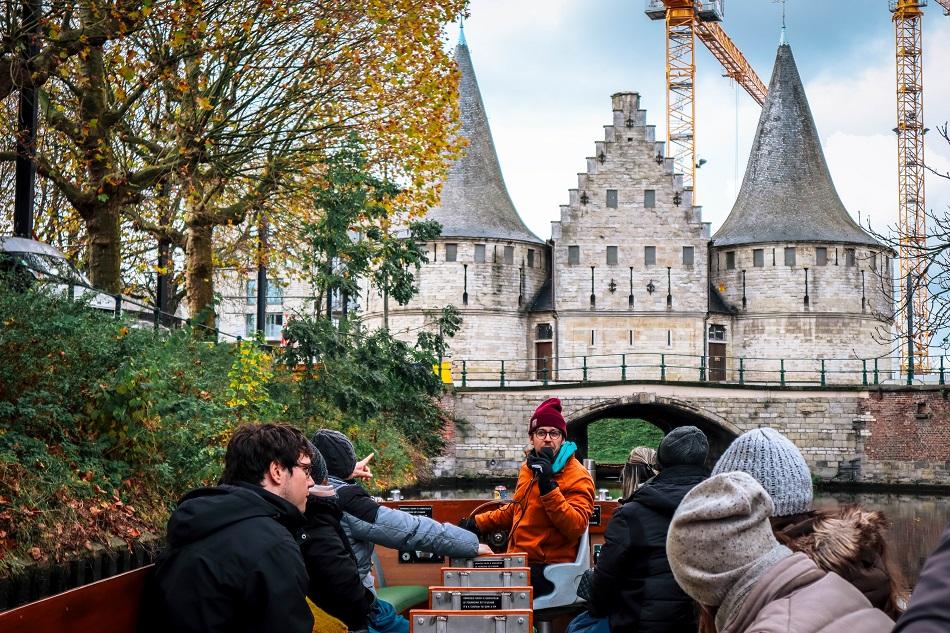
point(672, 367)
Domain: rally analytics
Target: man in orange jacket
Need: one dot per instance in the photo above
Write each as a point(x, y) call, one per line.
point(553, 500)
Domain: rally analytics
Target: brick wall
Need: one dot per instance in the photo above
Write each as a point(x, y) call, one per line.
point(909, 435)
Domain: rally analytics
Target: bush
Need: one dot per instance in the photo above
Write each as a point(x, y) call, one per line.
point(104, 426)
point(610, 440)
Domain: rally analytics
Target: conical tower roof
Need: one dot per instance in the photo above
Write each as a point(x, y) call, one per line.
point(787, 194)
point(475, 202)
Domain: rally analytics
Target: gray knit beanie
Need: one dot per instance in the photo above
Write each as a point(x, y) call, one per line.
point(318, 466)
point(338, 452)
point(720, 538)
point(683, 446)
point(774, 462)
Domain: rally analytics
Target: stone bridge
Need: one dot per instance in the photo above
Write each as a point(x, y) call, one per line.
point(875, 435)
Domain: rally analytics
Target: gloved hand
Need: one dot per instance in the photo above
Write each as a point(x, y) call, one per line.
point(469, 524)
point(542, 466)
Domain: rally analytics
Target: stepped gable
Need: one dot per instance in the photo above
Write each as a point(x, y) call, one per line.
point(475, 202)
point(787, 194)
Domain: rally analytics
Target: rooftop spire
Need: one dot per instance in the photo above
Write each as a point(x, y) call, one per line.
point(787, 194)
point(475, 202)
point(462, 31)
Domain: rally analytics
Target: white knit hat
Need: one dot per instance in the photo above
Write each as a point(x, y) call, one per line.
point(720, 540)
point(776, 463)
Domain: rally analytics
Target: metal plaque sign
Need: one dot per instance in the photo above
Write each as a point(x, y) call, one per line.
point(480, 601)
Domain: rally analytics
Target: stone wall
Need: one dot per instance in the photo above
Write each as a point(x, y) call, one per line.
point(629, 294)
point(883, 436)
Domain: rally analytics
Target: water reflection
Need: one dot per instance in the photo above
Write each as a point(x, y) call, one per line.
point(917, 521)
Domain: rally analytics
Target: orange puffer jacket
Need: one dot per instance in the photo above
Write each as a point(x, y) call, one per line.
point(546, 528)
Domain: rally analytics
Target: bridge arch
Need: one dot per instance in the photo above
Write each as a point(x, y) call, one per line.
point(664, 412)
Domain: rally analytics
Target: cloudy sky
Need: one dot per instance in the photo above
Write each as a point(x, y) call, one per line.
point(547, 68)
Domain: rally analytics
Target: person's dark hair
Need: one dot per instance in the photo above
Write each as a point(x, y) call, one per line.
point(253, 448)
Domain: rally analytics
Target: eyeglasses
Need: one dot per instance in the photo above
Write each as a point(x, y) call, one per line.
point(552, 434)
point(306, 468)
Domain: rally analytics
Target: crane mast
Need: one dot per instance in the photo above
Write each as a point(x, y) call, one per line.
point(687, 20)
point(912, 222)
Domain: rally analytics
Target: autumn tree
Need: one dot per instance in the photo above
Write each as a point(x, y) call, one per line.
point(208, 114)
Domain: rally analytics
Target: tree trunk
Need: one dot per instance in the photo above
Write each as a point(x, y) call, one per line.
point(198, 272)
point(104, 246)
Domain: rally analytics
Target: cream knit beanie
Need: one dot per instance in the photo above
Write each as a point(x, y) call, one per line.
point(774, 462)
point(720, 537)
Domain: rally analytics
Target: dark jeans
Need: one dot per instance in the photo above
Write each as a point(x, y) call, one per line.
point(541, 585)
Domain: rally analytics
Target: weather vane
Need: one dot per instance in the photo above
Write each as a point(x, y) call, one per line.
point(782, 2)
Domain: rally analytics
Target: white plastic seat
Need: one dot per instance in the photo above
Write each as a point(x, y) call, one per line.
point(566, 577)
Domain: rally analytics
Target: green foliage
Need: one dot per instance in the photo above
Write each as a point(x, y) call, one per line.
point(610, 440)
point(369, 376)
point(351, 239)
point(104, 426)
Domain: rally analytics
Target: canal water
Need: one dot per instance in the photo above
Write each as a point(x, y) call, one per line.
point(916, 521)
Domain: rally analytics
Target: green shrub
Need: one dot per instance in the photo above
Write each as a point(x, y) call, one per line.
point(610, 440)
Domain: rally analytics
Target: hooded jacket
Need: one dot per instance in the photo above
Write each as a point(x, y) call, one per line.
point(232, 566)
point(848, 541)
point(367, 524)
point(335, 583)
point(547, 527)
point(632, 583)
point(795, 596)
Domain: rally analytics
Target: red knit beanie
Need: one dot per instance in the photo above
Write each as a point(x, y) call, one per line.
point(548, 413)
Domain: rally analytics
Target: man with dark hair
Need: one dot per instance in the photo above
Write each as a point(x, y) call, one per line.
point(232, 563)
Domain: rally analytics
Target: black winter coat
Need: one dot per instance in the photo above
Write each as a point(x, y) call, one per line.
point(232, 566)
point(632, 583)
point(335, 584)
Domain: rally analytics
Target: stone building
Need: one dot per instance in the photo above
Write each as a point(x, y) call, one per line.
point(486, 262)
point(805, 280)
point(631, 285)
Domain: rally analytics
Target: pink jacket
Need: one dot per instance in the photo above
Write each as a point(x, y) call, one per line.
point(795, 596)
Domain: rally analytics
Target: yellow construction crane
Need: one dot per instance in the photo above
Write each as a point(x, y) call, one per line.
point(685, 21)
point(911, 219)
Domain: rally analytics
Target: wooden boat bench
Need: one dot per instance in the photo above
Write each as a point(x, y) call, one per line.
point(502, 621)
point(106, 606)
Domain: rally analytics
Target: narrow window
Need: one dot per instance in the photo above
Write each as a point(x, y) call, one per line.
point(251, 292)
point(730, 260)
point(758, 257)
point(849, 257)
point(530, 258)
point(873, 265)
point(821, 256)
point(669, 337)
point(451, 252)
point(592, 337)
point(611, 255)
point(789, 255)
point(573, 255)
point(687, 255)
point(509, 254)
point(275, 293)
point(630, 333)
point(649, 255)
point(479, 253)
point(612, 198)
point(649, 198)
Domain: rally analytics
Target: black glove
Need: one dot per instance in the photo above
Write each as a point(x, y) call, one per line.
point(470, 525)
point(543, 468)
